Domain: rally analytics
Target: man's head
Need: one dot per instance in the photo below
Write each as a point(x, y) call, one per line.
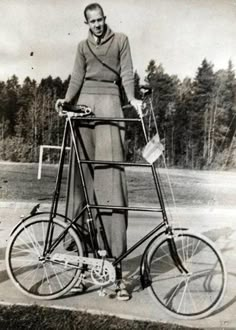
point(95, 18)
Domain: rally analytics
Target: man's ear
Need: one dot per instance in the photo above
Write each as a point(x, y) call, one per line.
point(86, 22)
point(105, 18)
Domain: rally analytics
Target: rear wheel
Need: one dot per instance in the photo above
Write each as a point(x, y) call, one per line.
point(193, 287)
point(37, 276)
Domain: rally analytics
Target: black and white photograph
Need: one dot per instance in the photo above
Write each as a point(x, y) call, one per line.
point(117, 164)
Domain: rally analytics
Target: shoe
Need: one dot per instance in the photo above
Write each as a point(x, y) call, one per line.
point(121, 292)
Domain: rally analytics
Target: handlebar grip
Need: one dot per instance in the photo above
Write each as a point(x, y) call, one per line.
point(127, 106)
point(146, 87)
point(80, 110)
point(146, 90)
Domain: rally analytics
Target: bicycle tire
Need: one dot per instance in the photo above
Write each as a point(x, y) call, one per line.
point(191, 295)
point(36, 278)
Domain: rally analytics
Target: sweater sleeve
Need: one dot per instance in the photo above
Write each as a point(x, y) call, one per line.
point(127, 74)
point(77, 75)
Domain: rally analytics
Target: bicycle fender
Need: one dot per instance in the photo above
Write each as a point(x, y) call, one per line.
point(143, 275)
point(37, 214)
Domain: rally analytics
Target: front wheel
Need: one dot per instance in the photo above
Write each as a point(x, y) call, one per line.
point(186, 275)
point(37, 276)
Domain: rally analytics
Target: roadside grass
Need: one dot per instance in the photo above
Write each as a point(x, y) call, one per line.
point(34, 317)
point(19, 182)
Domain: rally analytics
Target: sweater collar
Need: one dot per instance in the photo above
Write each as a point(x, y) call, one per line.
point(108, 35)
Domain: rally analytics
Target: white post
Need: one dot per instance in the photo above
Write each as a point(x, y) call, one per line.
point(41, 148)
point(40, 162)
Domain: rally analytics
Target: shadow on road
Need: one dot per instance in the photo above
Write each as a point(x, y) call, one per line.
point(215, 234)
point(3, 276)
point(230, 301)
point(2, 253)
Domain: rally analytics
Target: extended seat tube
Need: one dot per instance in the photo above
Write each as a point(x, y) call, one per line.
point(56, 193)
point(91, 226)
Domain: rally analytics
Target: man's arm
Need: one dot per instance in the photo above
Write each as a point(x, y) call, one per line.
point(127, 75)
point(77, 75)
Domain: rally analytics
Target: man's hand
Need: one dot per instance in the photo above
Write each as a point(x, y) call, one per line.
point(58, 105)
point(137, 104)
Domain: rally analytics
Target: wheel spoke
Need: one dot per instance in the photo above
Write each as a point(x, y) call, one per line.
point(32, 242)
point(195, 293)
point(28, 274)
point(27, 245)
point(182, 297)
point(47, 278)
point(33, 274)
point(173, 293)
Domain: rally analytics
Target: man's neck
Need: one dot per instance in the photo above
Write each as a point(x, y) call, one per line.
point(97, 39)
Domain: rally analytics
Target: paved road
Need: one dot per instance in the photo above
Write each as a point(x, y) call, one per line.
point(218, 224)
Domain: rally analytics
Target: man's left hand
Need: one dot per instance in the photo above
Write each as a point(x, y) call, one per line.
point(137, 104)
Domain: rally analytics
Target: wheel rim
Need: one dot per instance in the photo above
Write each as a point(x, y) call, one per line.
point(30, 271)
point(193, 294)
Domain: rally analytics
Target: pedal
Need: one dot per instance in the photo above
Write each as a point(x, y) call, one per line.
point(102, 253)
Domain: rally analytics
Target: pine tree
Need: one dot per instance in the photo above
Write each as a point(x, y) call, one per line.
point(11, 102)
point(223, 131)
point(203, 88)
point(182, 121)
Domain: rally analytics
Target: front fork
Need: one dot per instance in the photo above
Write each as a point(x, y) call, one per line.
point(144, 264)
point(175, 255)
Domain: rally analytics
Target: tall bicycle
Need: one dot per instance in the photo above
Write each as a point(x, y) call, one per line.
point(183, 271)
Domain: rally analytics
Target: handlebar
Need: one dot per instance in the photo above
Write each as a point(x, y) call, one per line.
point(79, 110)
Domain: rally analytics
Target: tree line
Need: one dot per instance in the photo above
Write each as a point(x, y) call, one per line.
point(196, 117)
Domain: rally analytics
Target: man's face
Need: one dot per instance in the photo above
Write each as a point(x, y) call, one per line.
point(96, 22)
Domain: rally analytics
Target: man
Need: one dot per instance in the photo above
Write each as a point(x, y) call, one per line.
point(100, 61)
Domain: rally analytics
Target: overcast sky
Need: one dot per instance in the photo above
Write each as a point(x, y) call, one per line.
point(177, 33)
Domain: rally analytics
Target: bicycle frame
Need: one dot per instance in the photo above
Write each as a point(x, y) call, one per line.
point(183, 271)
point(68, 130)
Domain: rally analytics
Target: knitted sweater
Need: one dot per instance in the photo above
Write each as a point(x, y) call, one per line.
point(114, 50)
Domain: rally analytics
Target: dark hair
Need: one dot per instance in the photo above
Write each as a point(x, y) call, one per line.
point(93, 6)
